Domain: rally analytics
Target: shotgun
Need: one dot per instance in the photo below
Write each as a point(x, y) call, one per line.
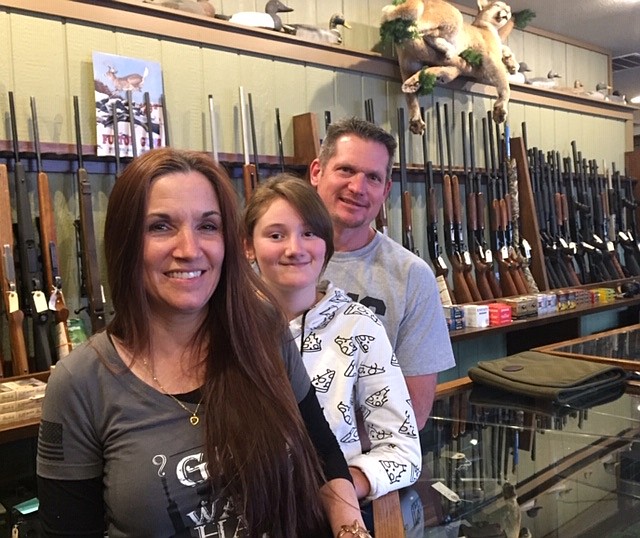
point(132, 125)
point(407, 226)
point(249, 171)
point(34, 300)
point(116, 137)
point(49, 244)
point(214, 131)
point(90, 272)
point(8, 286)
point(254, 140)
point(473, 228)
point(148, 119)
point(460, 288)
point(382, 223)
point(280, 144)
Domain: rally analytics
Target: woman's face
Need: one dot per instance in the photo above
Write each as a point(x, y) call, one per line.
point(183, 245)
point(289, 254)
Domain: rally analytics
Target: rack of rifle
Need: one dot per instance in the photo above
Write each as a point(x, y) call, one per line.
point(553, 222)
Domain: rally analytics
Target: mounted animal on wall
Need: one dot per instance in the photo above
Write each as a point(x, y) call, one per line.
point(434, 44)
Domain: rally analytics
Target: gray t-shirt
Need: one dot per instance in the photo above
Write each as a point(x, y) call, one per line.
point(104, 421)
point(401, 290)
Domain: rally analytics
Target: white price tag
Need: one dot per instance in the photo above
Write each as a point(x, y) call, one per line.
point(446, 492)
point(467, 258)
point(573, 247)
point(40, 302)
point(563, 243)
point(488, 256)
point(597, 239)
point(610, 246)
point(527, 248)
point(504, 253)
point(14, 304)
point(623, 236)
point(52, 301)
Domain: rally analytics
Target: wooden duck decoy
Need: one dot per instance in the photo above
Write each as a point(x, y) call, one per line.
point(549, 82)
point(268, 19)
point(200, 7)
point(617, 97)
point(521, 75)
point(317, 34)
point(601, 92)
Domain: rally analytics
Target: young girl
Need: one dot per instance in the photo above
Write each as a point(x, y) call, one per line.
point(288, 233)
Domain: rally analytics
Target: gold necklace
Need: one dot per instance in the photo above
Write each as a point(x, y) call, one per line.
point(193, 419)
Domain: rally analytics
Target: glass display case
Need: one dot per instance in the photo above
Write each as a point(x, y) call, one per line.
point(575, 471)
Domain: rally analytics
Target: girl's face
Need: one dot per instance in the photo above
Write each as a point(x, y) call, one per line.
point(289, 254)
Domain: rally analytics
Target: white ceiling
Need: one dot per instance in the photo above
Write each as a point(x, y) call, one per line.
point(613, 25)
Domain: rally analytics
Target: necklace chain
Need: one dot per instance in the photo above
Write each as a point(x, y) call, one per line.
point(194, 419)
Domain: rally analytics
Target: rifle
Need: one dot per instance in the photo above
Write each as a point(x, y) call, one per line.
point(249, 170)
point(49, 248)
point(567, 247)
point(15, 316)
point(279, 135)
point(460, 287)
point(116, 137)
point(254, 140)
point(132, 125)
point(625, 234)
point(90, 272)
point(497, 214)
point(480, 263)
point(35, 302)
point(214, 131)
point(407, 227)
point(431, 216)
point(165, 121)
point(381, 218)
point(148, 119)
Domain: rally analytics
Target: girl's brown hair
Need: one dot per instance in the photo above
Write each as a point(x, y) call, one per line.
point(257, 446)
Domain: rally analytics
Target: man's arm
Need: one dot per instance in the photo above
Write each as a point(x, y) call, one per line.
point(422, 389)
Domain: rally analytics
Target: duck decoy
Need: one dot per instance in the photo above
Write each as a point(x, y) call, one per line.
point(269, 19)
point(521, 75)
point(601, 92)
point(617, 97)
point(549, 82)
point(200, 7)
point(317, 34)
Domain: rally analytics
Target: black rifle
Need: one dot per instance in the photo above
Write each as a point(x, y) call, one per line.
point(90, 272)
point(49, 248)
point(34, 300)
point(148, 119)
point(254, 140)
point(249, 169)
point(407, 227)
point(625, 235)
point(132, 125)
point(279, 135)
point(431, 210)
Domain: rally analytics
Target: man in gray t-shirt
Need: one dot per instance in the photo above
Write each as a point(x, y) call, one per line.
point(352, 175)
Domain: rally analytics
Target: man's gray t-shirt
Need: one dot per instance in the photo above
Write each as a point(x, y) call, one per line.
point(401, 290)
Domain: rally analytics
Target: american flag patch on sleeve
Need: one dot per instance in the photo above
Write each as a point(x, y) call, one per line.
point(50, 441)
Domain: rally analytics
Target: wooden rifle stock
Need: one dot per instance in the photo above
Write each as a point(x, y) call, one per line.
point(407, 227)
point(460, 287)
point(49, 248)
point(507, 285)
point(479, 264)
point(516, 268)
point(457, 219)
point(15, 317)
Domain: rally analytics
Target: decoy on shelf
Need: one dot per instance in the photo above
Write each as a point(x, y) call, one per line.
point(521, 75)
point(617, 97)
point(317, 34)
point(601, 92)
point(200, 7)
point(549, 82)
point(269, 19)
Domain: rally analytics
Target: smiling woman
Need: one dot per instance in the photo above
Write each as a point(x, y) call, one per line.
point(175, 421)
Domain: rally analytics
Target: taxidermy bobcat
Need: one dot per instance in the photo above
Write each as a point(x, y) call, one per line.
point(441, 40)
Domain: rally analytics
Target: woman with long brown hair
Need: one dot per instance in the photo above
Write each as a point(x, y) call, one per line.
point(192, 414)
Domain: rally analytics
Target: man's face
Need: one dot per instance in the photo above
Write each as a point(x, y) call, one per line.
point(353, 185)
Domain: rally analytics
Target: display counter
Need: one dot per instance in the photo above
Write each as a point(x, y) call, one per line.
point(620, 347)
point(576, 471)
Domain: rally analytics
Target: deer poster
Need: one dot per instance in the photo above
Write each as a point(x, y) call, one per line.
point(128, 94)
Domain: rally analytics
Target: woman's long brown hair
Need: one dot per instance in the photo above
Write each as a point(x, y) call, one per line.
point(257, 446)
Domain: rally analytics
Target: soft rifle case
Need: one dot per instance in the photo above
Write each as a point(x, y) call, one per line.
point(549, 377)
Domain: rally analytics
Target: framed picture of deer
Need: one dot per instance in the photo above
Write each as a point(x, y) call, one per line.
point(129, 110)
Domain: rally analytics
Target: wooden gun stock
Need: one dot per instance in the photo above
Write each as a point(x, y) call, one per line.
point(407, 227)
point(15, 317)
point(248, 180)
point(516, 267)
point(457, 222)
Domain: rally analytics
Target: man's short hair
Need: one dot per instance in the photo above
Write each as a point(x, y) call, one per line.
point(362, 129)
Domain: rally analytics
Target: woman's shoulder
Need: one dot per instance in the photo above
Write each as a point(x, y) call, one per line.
point(88, 358)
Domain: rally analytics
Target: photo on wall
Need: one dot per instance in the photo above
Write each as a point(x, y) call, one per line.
point(129, 102)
